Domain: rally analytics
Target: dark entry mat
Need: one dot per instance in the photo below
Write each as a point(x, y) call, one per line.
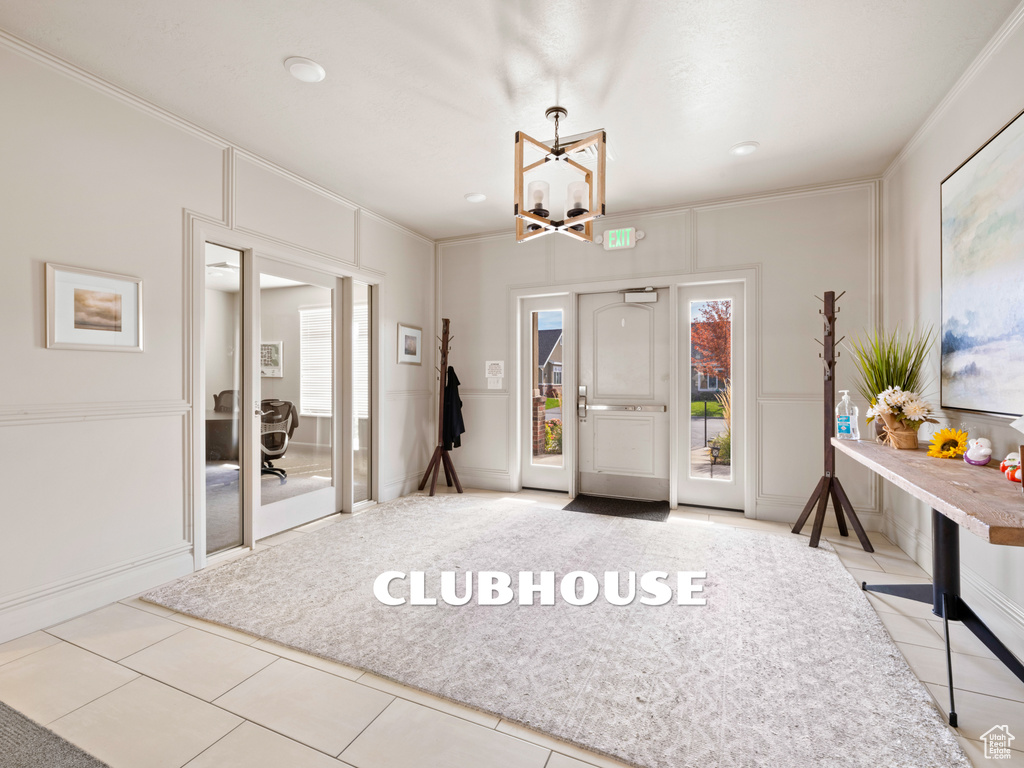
point(638, 510)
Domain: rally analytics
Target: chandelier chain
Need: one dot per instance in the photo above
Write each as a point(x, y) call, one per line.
point(556, 132)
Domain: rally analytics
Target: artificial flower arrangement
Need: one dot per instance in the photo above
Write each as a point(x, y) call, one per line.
point(948, 443)
point(903, 414)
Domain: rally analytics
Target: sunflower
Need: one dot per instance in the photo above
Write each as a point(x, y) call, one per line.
point(948, 444)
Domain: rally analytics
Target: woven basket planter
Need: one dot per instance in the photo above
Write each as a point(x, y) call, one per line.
point(898, 434)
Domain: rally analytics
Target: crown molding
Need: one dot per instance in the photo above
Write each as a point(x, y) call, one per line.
point(125, 96)
point(700, 205)
point(992, 47)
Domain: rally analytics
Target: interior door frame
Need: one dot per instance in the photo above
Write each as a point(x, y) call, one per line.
point(201, 230)
point(746, 275)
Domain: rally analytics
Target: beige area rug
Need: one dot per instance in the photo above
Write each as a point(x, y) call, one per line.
point(786, 665)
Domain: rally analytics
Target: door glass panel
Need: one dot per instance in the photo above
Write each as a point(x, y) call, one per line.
point(296, 388)
point(711, 389)
point(547, 387)
point(222, 328)
point(360, 392)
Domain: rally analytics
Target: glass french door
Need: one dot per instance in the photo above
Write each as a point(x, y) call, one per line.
point(294, 455)
point(284, 435)
point(548, 435)
point(711, 378)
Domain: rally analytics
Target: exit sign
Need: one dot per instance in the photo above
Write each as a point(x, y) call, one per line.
point(617, 239)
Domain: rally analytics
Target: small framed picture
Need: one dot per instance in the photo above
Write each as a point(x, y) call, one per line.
point(410, 344)
point(272, 359)
point(87, 309)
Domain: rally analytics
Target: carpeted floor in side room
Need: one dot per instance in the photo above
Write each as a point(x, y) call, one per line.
point(786, 665)
point(26, 744)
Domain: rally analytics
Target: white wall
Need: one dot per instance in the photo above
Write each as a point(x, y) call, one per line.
point(985, 99)
point(95, 446)
point(798, 243)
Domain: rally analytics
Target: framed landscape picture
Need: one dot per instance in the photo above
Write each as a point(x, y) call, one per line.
point(88, 309)
point(983, 278)
point(410, 343)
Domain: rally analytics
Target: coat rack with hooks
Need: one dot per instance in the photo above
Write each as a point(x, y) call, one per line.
point(829, 485)
point(441, 457)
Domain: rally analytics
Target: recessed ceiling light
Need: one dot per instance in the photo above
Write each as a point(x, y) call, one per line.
point(744, 148)
point(306, 70)
point(476, 197)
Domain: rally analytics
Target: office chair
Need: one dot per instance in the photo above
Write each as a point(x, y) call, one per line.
point(226, 401)
point(279, 419)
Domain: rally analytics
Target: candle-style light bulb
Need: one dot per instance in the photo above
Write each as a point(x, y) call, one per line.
point(537, 194)
point(577, 198)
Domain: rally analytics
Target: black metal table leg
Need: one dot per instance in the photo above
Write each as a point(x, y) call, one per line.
point(944, 595)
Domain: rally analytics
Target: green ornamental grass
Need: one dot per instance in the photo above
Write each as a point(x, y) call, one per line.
point(895, 359)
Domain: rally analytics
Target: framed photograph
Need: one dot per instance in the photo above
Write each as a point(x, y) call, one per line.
point(272, 359)
point(982, 283)
point(410, 344)
point(87, 309)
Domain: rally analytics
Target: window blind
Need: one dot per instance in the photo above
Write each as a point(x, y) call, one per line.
point(315, 379)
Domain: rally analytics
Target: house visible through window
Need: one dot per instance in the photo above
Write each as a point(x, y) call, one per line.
point(556, 373)
point(315, 381)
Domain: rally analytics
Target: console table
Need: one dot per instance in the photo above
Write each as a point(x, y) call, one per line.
point(978, 499)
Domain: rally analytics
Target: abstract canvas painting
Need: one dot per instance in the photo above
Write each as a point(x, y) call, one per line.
point(983, 278)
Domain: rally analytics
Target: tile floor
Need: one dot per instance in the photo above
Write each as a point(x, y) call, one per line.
point(140, 686)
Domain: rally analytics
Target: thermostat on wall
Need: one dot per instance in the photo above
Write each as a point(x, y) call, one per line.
point(617, 239)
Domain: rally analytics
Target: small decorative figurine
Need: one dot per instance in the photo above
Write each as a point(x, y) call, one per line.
point(980, 452)
point(1010, 466)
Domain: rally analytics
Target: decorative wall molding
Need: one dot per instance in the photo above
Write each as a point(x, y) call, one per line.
point(992, 47)
point(20, 415)
point(671, 210)
point(104, 572)
point(403, 394)
point(42, 607)
point(75, 72)
point(396, 226)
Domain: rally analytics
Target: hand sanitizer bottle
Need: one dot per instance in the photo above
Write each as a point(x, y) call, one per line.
point(846, 418)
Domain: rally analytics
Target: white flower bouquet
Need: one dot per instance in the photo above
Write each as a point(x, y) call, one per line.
point(903, 414)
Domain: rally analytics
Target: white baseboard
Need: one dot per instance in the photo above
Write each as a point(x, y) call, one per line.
point(55, 603)
point(486, 480)
point(1002, 615)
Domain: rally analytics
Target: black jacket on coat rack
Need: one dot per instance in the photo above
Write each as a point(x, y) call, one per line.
point(453, 424)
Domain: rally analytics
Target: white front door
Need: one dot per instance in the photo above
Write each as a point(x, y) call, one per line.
point(547, 355)
point(623, 395)
point(711, 376)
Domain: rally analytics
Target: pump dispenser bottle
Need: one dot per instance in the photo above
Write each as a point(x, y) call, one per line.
point(846, 418)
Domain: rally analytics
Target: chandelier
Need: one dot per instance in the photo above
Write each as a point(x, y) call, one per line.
point(575, 172)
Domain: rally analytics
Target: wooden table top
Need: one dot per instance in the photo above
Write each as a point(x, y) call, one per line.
point(979, 499)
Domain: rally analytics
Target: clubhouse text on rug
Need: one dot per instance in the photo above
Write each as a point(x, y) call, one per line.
point(538, 588)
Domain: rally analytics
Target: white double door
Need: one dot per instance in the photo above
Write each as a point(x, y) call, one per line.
point(270, 433)
point(621, 406)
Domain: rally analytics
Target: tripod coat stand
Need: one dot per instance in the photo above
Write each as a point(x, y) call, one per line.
point(829, 485)
point(441, 457)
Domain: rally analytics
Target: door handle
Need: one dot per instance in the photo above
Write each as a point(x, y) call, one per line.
point(581, 404)
point(647, 408)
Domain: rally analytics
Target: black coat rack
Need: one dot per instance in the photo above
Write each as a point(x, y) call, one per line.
point(829, 485)
point(441, 457)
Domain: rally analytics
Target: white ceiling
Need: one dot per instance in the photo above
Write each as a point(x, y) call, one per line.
point(423, 97)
